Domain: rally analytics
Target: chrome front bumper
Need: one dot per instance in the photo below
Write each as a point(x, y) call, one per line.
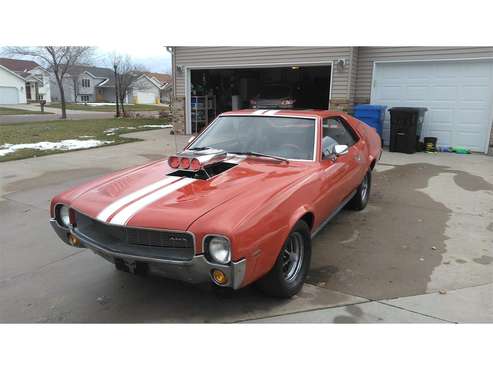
point(197, 270)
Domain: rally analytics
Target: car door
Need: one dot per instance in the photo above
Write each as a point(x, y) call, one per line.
point(338, 174)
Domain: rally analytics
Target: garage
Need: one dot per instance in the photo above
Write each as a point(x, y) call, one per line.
point(458, 95)
point(145, 97)
point(216, 90)
point(9, 95)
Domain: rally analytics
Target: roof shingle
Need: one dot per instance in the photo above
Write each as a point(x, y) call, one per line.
point(18, 65)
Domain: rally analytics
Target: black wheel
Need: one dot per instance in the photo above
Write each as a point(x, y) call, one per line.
point(360, 199)
point(289, 272)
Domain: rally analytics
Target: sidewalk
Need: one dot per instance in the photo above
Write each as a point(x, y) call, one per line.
point(467, 305)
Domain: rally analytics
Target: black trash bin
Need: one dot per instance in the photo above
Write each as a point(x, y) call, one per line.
point(406, 125)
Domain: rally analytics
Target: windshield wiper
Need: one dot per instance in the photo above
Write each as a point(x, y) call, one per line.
point(255, 154)
point(201, 148)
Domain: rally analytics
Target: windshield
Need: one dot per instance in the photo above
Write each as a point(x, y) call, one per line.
point(291, 138)
point(274, 92)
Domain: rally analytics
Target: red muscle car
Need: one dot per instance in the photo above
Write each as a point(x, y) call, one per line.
point(240, 204)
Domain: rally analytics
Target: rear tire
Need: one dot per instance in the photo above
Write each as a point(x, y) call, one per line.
point(360, 199)
point(289, 272)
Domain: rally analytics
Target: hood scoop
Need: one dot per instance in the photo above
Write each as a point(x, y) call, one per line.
point(199, 164)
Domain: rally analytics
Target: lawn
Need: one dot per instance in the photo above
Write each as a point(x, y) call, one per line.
point(86, 133)
point(110, 108)
point(14, 111)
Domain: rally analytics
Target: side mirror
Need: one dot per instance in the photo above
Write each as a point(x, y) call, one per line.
point(340, 150)
point(191, 139)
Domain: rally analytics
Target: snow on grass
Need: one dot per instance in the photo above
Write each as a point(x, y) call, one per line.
point(113, 130)
point(50, 145)
point(156, 126)
point(100, 104)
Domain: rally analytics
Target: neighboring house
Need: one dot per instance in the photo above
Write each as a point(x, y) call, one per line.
point(454, 83)
point(86, 84)
point(31, 82)
point(150, 88)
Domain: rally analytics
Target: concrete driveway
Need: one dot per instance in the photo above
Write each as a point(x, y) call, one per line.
point(57, 114)
point(422, 251)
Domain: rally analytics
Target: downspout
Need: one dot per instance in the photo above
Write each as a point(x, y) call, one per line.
point(170, 50)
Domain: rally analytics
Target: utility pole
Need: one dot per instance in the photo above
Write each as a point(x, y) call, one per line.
point(116, 90)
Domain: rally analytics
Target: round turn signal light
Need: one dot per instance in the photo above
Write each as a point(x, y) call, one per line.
point(219, 277)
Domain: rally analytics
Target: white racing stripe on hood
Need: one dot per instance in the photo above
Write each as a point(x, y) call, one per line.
point(122, 217)
point(115, 206)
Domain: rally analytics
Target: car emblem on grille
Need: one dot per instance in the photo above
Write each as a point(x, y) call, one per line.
point(177, 239)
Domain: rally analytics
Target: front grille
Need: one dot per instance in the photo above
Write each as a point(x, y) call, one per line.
point(169, 245)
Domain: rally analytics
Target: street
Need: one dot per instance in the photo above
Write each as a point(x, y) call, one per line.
point(422, 251)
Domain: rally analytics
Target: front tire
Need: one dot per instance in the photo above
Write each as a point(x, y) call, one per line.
point(289, 272)
point(360, 199)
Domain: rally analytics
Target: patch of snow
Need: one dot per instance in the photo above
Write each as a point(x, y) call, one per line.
point(85, 137)
point(49, 145)
point(112, 130)
point(156, 126)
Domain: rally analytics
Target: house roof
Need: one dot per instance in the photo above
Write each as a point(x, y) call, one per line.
point(161, 77)
point(18, 65)
point(95, 71)
point(12, 72)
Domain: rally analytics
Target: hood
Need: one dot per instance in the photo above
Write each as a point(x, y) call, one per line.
point(151, 197)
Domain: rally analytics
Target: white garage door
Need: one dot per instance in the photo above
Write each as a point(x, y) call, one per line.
point(458, 95)
point(146, 98)
point(9, 95)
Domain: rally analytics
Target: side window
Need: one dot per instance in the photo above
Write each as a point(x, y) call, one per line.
point(336, 131)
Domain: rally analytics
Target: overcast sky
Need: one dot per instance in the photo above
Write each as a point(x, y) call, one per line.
point(154, 57)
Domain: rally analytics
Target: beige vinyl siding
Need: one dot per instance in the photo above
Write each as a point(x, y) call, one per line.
point(352, 74)
point(256, 56)
point(368, 55)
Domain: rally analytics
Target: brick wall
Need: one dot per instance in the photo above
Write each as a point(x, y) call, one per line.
point(177, 112)
point(345, 105)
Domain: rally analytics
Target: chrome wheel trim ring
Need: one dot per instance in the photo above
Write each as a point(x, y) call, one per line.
point(364, 188)
point(292, 256)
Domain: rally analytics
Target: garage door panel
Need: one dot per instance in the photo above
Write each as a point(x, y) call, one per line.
point(9, 95)
point(471, 117)
point(443, 93)
point(416, 92)
point(441, 117)
point(458, 95)
point(474, 93)
point(390, 92)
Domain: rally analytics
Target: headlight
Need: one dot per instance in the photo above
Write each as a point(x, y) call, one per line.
point(63, 216)
point(218, 249)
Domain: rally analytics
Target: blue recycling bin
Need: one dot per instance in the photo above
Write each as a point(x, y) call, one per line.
point(372, 115)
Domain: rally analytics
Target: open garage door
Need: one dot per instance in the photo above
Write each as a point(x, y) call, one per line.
point(9, 95)
point(213, 91)
point(458, 95)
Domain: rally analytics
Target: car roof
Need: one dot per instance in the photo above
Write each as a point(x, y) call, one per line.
point(283, 112)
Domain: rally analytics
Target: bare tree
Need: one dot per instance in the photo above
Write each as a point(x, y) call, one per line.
point(56, 59)
point(126, 73)
point(74, 74)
